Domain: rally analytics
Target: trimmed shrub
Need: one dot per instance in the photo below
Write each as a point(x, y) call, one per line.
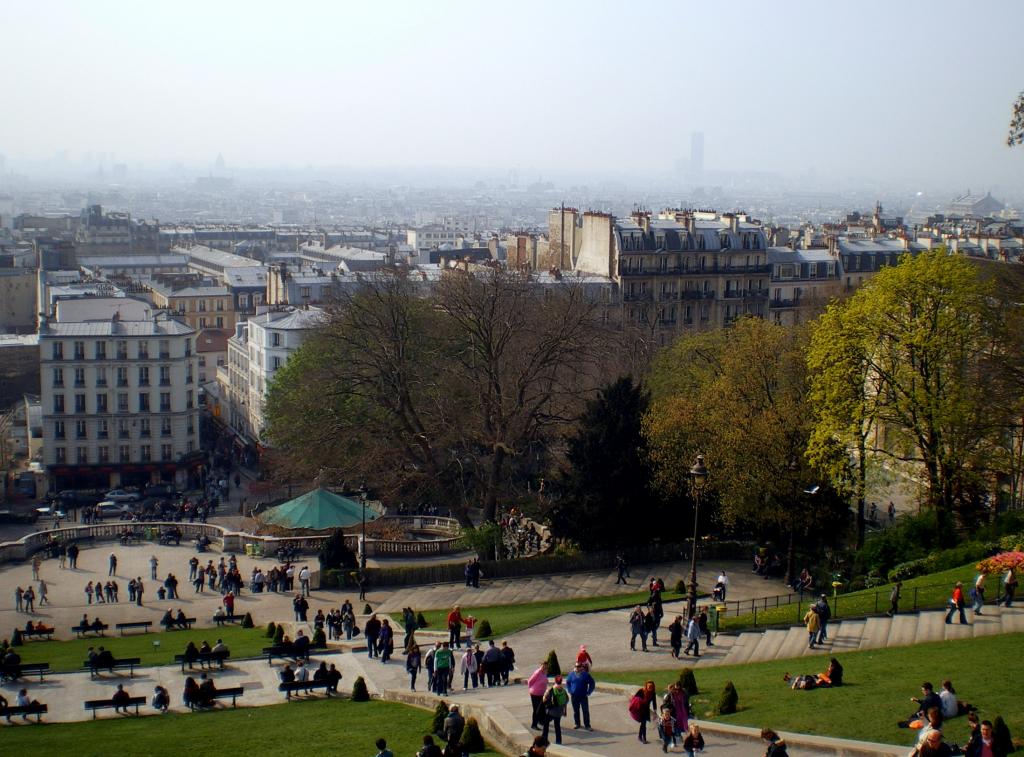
point(437, 721)
point(367, 610)
point(482, 630)
point(319, 637)
point(279, 634)
point(554, 669)
point(247, 621)
point(421, 622)
point(688, 682)
point(359, 691)
point(680, 587)
point(1012, 543)
point(729, 699)
point(472, 740)
point(271, 629)
point(16, 640)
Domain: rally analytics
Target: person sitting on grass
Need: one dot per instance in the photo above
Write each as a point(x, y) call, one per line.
point(951, 706)
point(833, 676)
point(929, 700)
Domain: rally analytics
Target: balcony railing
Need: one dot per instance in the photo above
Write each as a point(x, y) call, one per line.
point(636, 297)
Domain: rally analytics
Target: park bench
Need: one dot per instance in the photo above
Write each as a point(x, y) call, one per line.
point(289, 652)
point(36, 709)
point(204, 659)
point(176, 625)
point(222, 619)
point(25, 668)
point(82, 630)
point(304, 686)
point(230, 693)
point(106, 704)
point(127, 662)
point(36, 633)
point(145, 624)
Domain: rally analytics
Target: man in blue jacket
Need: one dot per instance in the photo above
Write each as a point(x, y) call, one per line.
point(580, 685)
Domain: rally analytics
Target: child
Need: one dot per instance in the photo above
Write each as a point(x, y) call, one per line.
point(469, 621)
point(666, 728)
point(694, 741)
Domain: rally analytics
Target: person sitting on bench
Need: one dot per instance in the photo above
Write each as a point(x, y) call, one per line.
point(11, 665)
point(120, 699)
point(300, 647)
point(287, 674)
point(167, 620)
point(97, 624)
point(190, 695)
point(207, 690)
point(191, 654)
point(38, 628)
point(180, 620)
point(221, 648)
point(24, 701)
point(161, 699)
point(104, 659)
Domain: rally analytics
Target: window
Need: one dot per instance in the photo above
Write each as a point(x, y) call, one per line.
point(83, 455)
point(101, 350)
point(165, 427)
point(144, 427)
point(79, 403)
point(219, 305)
point(79, 376)
point(143, 375)
point(191, 427)
point(165, 451)
point(124, 453)
point(79, 350)
point(188, 374)
point(122, 349)
point(58, 377)
point(80, 430)
point(188, 399)
point(122, 402)
point(220, 321)
point(101, 375)
point(144, 349)
point(202, 323)
point(165, 348)
point(257, 299)
point(123, 432)
point(202, 306)
point(165, 402)
point(58, 429)
point(102, 429)
point(104, 455)
point(58, 350)
point(304, 292)
point(243, 302)
point(276, 363)
point(147, 453)
point(190, 447)
point(188, 347)
point(165, 375)
point(143, 402)
point(122, 376)
point(202, 361)
point(62, 455)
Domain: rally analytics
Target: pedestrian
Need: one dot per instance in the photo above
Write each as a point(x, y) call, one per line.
point(583, 658)
point(702, 620)
point(413, 663)
point(73, 556)
point(679, 702)
point(641, 708)
point(469, 667)
point(385, 640)
point(637, 627)
point(693, 636)
point(36, 564)
point(537, 685)
point(19, 598)
point(444, 663)
point(956, 604)
point(776, 745)
point(675, 636)
point(62, 555)
point(508, 661)
point(138, 591)
point(555, 700)
point(152, 567)
point(112, 565)
point(694, 741)
point(361, 581)
point(721, 586)
point(428, 663)
point(824, 613)
point(894, 599)
point(892, 513)
point(304, 580)
point(1009, 587)
point(455, 621)
point(29, 597)
point(42, 593)
point(620, 565)
point(979, 594)
point(371, 631)
point(812, 622)
point(580, 685)
point(88, 594)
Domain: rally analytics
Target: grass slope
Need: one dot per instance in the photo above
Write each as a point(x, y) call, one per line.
point(69, 655)
point(335, 726)
point(878, 686)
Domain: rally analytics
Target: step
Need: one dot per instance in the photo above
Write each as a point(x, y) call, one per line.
point(1012, 619)
point(876, 632)
point(902, 630)
point(847, 635)
point(769, 645)
point(956, 630)
point(930, 626)
point(742, 648)
point(794, 644)
point(988, 623)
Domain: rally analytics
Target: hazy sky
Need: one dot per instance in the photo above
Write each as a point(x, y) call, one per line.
point(897, 90)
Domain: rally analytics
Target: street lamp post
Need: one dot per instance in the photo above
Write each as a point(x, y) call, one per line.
point(698, 478)
point(362, 544)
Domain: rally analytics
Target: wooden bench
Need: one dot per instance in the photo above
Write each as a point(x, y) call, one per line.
point(289, 652)
point(106, 704)
point(230, 693)
point(122, 627)
point(25, 668)
point(36, 709)
point(36, 633)
point(127, 662)
point(222, 619)
point(176, 624)
point(204, 659)
point(304, 686)
point(82, 630)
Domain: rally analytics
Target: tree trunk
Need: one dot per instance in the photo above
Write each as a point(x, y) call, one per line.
point(493, 482)
point(861, 488)
point(791, 556)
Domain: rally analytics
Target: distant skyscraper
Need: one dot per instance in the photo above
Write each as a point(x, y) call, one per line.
point(697, 154)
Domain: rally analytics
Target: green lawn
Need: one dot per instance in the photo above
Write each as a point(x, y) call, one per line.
point(336, 726)
point(507, 619)
point(69, 655)
point(931, 591)
point(876, 693)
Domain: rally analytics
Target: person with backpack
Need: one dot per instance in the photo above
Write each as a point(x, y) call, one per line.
point(555, 700)
point(824, 613)
point(642, 708)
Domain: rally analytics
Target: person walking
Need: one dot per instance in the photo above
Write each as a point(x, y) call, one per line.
point(537, 685)
point(42, 593)
point(580, 685)
point(824, 613)
point(894, 599)
point(62, 555)
point(19, 598)
point(29, 597)
point(138, 591)
point(641, 708)
point(444, 661)
point(112, 565)
point(636, 628)
point(73, 556)
point(705, 630)
point(620, 566)
point(693, 636)
point(555, 700)
point(812, 622)
point(979, 594)
point(152, 567)
point(304, 580)
point(36, 565)
point(413, 664)
point(455, 621)
point(722, 585)
point(1009, 588)
point(675, 636)
point(956, 604)
point(88, 594)
point(469, 666)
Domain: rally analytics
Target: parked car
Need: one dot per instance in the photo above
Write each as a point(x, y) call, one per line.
point(70, 498)
point(51, 512)
point(110, 509)
point(164, 491)
point(121, 495)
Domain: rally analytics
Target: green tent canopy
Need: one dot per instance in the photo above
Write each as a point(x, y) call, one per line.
point(318, 510)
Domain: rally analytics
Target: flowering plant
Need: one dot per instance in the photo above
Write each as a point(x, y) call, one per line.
point(1002, 562)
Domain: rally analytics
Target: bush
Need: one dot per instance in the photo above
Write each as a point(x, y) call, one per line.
point(1012, 543)
point(688, 682)
point(319, 637)
point(359, 691)
point(729, 699)
point(680, 587)
point(567, 548)
point(16, 640)
point(271, 630)
point(367, 610)
point(247, 621)
point(970, 551)
point(1001, 739)
point(484, 540)
point(554, 669)
point(472, 740)
point(482, 630)
point(334, 553)
point(421, 622)
point(279, 635)
point(437, 721)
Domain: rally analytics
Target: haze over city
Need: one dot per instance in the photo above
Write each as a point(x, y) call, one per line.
point(904, 95)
